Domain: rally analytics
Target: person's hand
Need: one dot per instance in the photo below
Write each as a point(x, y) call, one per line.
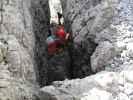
point(67, 36)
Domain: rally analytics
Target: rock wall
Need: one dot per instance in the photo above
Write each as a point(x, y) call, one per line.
point(102, 86)
point(40, 23)
point(17, 74)
point(16, 30)
point(86, 20)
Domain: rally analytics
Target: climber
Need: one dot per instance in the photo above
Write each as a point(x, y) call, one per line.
point(57, 40)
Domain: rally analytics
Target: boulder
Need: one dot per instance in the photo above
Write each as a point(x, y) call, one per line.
point(102, 55)
point(97, 94)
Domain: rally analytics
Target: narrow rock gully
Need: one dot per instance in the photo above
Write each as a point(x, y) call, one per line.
point(74, 62)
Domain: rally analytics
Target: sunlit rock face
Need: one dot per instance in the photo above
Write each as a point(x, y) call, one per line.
point(17, 74)
point(16, 31)
point(113, 34)
point(122, 23)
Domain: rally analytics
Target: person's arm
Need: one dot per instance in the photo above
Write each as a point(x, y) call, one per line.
point(67, 36)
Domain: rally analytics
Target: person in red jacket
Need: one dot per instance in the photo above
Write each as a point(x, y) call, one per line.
point(57, 40)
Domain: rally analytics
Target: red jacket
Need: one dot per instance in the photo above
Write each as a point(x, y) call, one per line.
point(54, 46)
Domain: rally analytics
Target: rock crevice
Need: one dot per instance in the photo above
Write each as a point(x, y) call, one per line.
point(67, 64)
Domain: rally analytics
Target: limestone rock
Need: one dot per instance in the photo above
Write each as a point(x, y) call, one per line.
point(103, 86)
point(107, 80)
point(67, 90)
point(95, 94)
point(122, 96)
point(103, 53)
point(17, 75)
point(85, 20)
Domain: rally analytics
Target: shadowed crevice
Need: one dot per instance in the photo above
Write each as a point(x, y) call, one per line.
point(73, 62)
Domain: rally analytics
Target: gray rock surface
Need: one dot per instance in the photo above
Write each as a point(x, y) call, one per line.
point(16, 31)
point(87, 19)
point(102, 86)
point(17, 74)
point(103, 53)
point(40, 23)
